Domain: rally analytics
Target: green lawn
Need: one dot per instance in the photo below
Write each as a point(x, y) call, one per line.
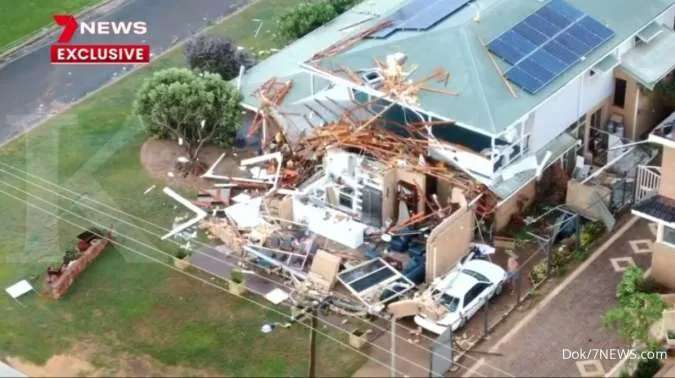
point(19, 19)
point(125, 304)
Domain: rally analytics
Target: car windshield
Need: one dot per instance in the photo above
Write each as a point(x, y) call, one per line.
point(448, 301)
point(475, 275)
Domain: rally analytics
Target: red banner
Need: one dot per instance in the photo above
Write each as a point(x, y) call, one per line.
point(100, 54)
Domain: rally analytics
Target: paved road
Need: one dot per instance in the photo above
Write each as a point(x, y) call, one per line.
point(572, 320)
point(8, 371)
point(31, 88)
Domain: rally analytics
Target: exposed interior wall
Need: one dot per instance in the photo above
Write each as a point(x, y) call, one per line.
point(580, 198)
point(663, 265)
point(448, 242)
point(667, 188)
point(444, 192)
point(286, 208)
point(508, 209)
point(629, 111)
point(414, 178)
point(649, 113)
point(388, 195)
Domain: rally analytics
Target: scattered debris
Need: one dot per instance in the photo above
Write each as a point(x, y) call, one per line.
point(199, 213)
point(150, 189)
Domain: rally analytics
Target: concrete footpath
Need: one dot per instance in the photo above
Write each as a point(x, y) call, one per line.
point(8, 371)
point(570, 317)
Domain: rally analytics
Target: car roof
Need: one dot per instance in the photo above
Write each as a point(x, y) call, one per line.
point(459, 284)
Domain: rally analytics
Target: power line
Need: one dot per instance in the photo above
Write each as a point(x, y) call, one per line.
point(163, 229)
point(163, 252)
point(189, 274)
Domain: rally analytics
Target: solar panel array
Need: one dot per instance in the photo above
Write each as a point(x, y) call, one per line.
point(420, 15)
point(548, 43)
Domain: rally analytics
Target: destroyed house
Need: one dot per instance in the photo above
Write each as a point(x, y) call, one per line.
point(501, 89)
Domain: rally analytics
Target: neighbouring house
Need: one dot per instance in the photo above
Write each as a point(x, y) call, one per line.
point(504, 92)
point(655, 201)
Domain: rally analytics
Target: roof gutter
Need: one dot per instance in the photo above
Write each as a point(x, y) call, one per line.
point(373, 92)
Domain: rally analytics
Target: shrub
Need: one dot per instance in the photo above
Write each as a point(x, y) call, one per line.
point(181, 254)
point(342, 5)
point(539, 272)
point(647, 368)
point(637, 310)
point(71, 255)
point(237, 276)
point(590, 232)
point(209, 53)
point(304, 18)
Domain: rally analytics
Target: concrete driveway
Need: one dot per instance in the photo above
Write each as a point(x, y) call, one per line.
point(31, 88)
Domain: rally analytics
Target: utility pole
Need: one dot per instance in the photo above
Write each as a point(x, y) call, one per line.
point(312, 344)
point(392, 372)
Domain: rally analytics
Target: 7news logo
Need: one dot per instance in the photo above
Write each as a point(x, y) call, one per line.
point(65, 53)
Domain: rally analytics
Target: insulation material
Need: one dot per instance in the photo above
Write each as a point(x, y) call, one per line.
point(246, 214)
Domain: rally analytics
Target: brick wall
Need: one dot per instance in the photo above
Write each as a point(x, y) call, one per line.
point(60, 286)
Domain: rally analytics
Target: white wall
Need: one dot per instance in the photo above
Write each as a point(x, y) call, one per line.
point(555, 115)
point(668, 18)
point(625, 46)
point(596, 89)
point(563, 109)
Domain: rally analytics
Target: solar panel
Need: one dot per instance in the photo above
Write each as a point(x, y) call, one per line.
point(419, 15)
point(434, 13)
point(547, 43)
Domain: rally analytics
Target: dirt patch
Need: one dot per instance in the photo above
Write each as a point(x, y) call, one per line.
point(77, 362)
point(159, 157)
point(57, 366)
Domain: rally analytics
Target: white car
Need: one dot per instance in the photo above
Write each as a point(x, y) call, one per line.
point(461, 293)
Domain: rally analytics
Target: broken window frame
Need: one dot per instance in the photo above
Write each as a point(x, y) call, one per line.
point(376, 290)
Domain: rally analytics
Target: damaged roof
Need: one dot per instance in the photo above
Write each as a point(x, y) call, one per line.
point(456, 44)
point(285, 64)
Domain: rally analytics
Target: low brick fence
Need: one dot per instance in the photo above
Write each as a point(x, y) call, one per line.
point(60, 282)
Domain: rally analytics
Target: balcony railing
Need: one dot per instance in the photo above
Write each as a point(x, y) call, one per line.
point(647, 182)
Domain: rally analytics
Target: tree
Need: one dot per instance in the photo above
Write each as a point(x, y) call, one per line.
point(208, 53)
point(637, 310)
point(192, 108)
point(302, 19)
point(342, 5)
